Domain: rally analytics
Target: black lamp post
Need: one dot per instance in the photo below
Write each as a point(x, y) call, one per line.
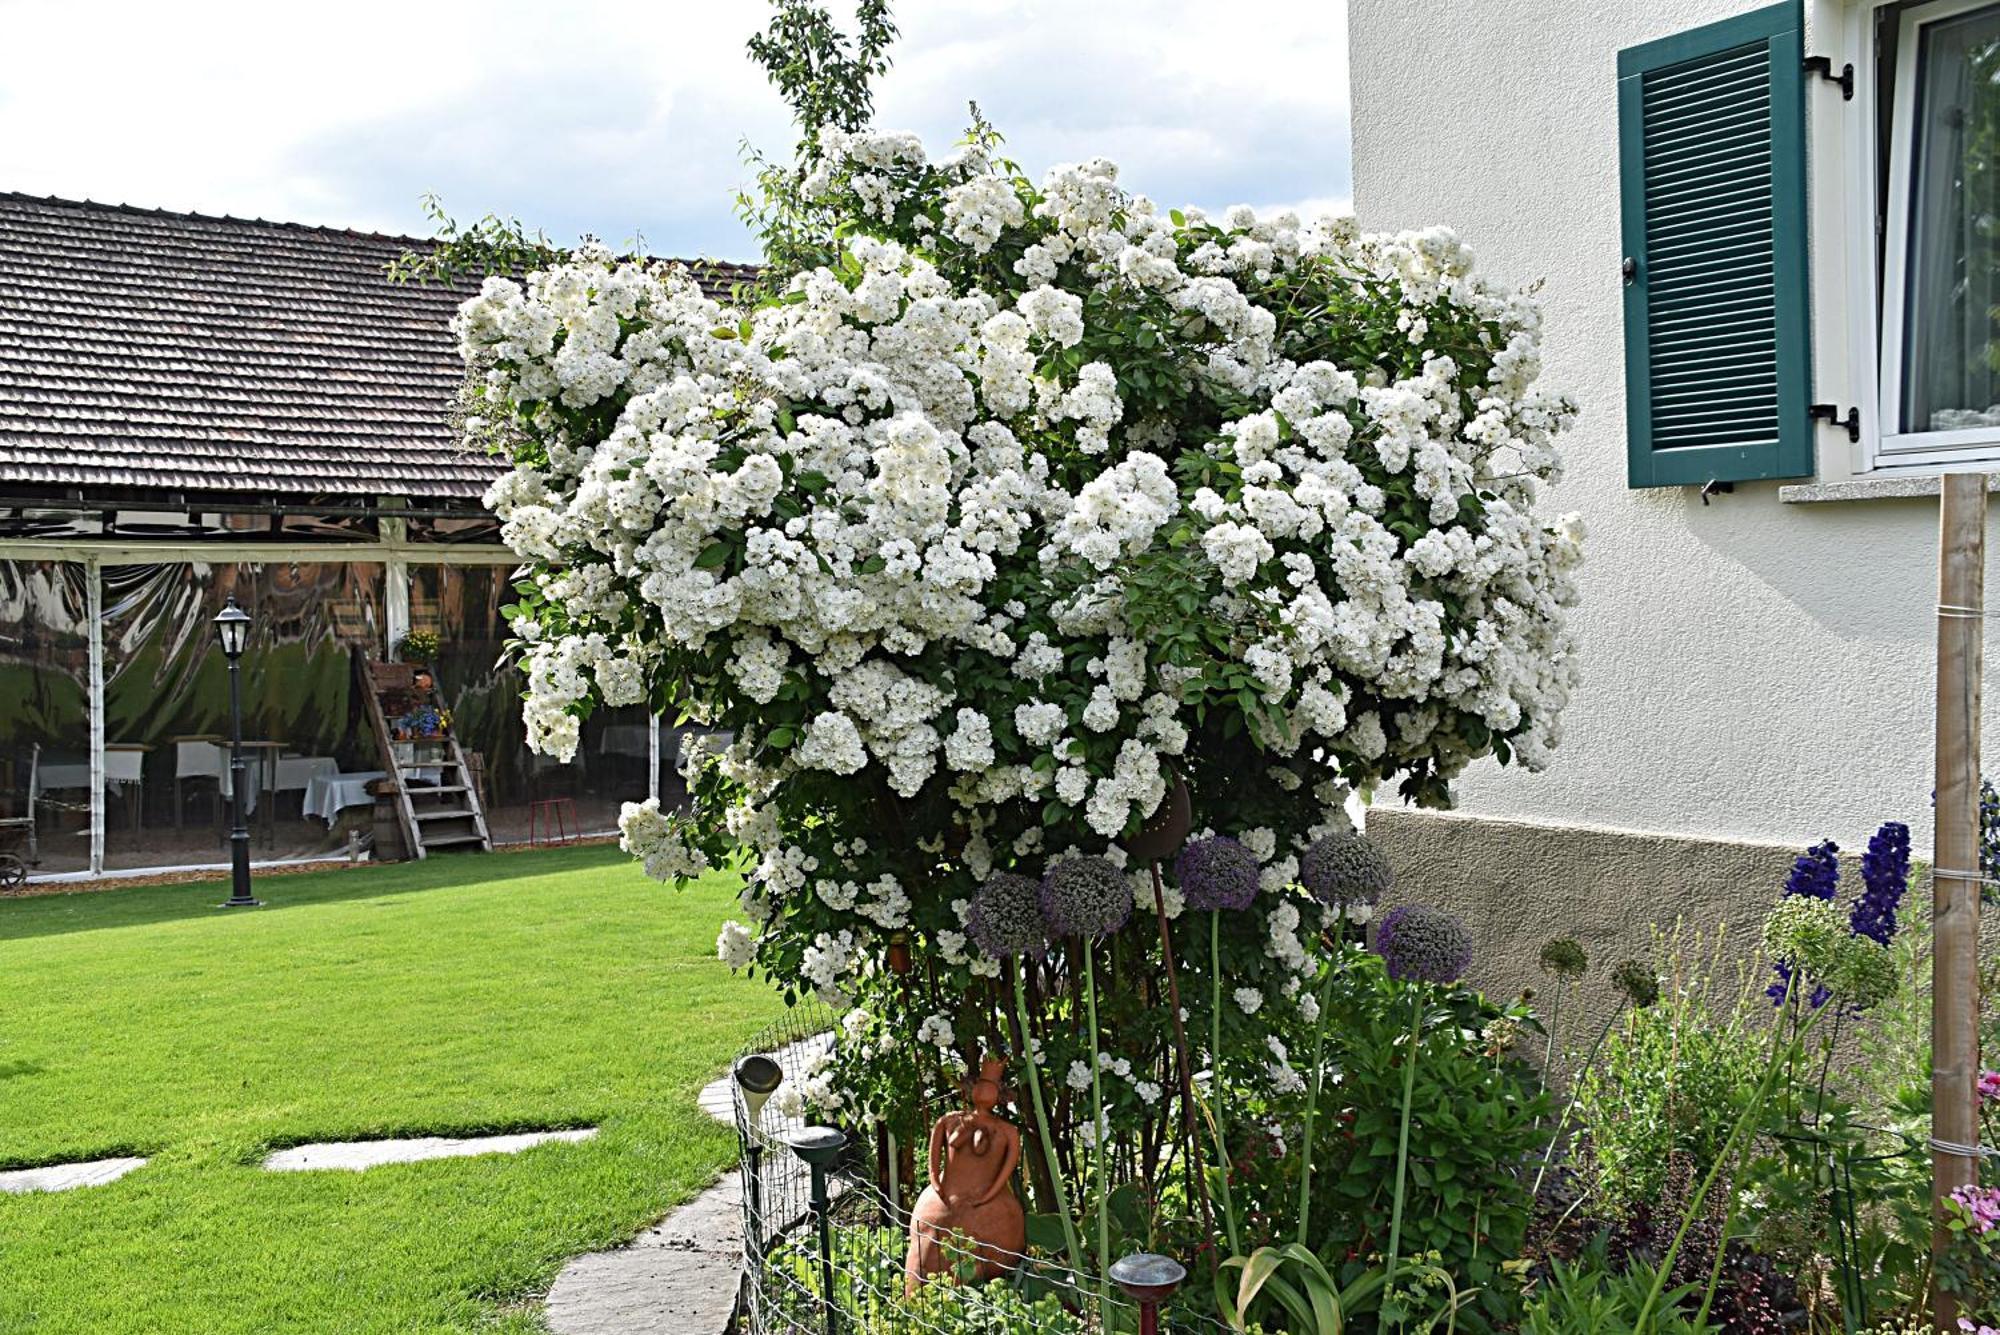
point(232, 626)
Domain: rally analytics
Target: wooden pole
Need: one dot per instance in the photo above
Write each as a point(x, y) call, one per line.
point(1955, 902)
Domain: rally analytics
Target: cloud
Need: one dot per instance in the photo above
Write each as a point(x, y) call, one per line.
point(620, 117)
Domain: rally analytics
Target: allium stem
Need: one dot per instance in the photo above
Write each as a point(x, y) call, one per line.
point(1042, 1119)
point(1555, 1025)
point(1097, 1136)
point(1312, 1095)
point(1403, 1137)
point(1223, 1161)
point(1569, 1104)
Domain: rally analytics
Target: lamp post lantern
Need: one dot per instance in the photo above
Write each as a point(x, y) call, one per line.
point(232, 627)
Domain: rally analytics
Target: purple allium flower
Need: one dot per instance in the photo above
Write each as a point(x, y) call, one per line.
point(1344, 869)
point(1006, 916)
point(1885, 875)
point(1216, 873)
point(1424, 945)
point(1085, 896)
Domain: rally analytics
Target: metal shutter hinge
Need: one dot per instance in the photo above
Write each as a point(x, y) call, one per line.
point(1829, 414)
point(1714, 487)
point(1823, 66)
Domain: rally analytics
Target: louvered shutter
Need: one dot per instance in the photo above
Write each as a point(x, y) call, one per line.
point(1711, 137)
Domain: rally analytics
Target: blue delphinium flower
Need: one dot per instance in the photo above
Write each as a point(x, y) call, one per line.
point(1885, 875)
point(1815, 874)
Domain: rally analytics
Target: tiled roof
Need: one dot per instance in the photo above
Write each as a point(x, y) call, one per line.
point(154, 350)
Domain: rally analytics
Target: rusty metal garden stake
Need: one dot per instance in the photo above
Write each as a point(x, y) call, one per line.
point(1195, 1175)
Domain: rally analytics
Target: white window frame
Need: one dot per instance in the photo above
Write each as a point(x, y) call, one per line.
point(1895, 447)
point(1857, 345)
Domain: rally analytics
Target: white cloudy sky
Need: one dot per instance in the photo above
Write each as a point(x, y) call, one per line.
point(625, 117)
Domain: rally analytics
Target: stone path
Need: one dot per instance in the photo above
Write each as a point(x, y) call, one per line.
point(67, 1176)
point(679, 1277)
point(355, 1155)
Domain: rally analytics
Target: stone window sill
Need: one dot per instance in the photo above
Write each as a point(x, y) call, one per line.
point(1869, 489)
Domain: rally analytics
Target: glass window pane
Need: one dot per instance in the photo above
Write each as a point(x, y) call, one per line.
point(44, 716)
point(166, 708)
point(1951, 362)
point(522, 792)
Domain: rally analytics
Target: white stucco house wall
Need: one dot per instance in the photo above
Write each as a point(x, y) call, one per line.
point(1758, 662)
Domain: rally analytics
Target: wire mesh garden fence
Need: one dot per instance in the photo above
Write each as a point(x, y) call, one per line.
point(826, 1231)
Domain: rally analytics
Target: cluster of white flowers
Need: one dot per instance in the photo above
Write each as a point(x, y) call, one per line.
point(911, 531)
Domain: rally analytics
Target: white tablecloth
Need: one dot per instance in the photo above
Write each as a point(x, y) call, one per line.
point(327, 793)
point(119, 767)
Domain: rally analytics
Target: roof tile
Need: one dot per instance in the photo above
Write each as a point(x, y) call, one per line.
point(141, 348)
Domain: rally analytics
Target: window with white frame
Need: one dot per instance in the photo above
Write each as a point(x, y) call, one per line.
point(1938, 199)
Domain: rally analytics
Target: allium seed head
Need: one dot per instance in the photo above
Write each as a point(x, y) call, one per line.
point(1343, 869)
point(1637, 981)
point(1565, 957)
point(1216, 873)
point(1006, 916)
point(1426, 945)
point(1086, 897)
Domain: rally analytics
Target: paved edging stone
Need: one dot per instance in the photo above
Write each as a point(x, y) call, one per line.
point(68, 1176)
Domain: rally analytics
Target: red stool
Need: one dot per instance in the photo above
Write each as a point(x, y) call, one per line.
point(552, 821)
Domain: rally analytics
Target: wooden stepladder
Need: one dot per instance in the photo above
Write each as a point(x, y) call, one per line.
point(437, 802)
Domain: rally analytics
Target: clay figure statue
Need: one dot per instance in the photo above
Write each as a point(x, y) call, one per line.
point(970, 1209)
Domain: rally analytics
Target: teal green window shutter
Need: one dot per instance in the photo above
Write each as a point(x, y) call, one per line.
point(1712, 184)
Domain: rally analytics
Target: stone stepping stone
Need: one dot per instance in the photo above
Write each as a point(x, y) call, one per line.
point(355, 1155)
point(68, 1176)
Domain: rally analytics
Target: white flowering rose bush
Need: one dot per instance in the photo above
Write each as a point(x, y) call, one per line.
point(970, 545)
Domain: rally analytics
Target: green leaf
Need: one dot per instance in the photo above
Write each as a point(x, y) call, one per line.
point(712, 556)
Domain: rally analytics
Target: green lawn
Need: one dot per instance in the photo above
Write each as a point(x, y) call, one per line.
point(461, 995)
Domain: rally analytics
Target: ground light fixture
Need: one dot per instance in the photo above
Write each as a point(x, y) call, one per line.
point(758, 1077)
point(820, 1147)
point(232, 628)
point(1149, 1280)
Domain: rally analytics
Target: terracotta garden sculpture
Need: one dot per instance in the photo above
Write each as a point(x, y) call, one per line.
point(970, 1206)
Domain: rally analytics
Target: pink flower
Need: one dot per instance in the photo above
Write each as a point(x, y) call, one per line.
point(1989, 1086)
point(1965, 1324)
point(1981, 1206)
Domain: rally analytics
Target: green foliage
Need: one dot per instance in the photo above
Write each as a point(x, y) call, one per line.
point(826, 78)
point(868, 1289)
point(1474, 1133)
point(1672, 1080)
point(491, 246)
point(1291, 1282)
point(1588, 1296)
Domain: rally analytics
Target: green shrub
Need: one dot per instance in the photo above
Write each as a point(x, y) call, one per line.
point(1474, 1137)
point(1671, 1082)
